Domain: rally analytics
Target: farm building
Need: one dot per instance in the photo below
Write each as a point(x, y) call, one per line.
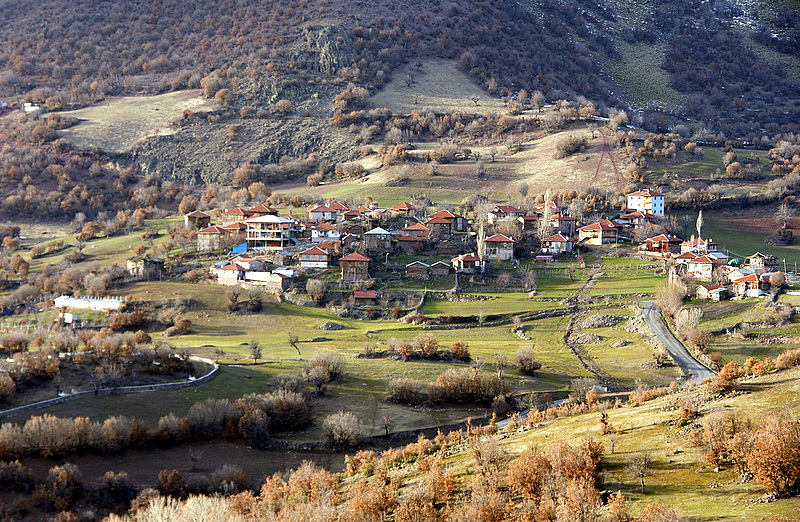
point(365, 297)
point(106, 304)
point(439, 269)
point(417, 270)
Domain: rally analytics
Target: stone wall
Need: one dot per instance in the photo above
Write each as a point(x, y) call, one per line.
point(116, 391)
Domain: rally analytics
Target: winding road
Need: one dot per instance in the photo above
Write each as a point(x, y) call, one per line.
point(695, 371)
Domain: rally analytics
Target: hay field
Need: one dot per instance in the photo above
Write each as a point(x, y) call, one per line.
point(438, 86)
point(115, 125)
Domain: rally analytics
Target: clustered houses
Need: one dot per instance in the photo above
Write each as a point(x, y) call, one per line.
point(358, 242)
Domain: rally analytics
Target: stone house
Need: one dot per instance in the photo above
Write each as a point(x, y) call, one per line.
point(355, 267)
point(147, 267)
point(197, 219)
point(212, 238)
point(499, 248)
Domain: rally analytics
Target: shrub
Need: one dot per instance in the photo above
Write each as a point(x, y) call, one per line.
point(209, 419)
point(343, 428)
point(428, 344)
point(460, 350)
point(406, 391)
point(570, 145)
point(229, 479)
point(254, 427)
point(8, 387)
point(332, 363)
point(466, 385)
point(525, 362)
point(287, 409)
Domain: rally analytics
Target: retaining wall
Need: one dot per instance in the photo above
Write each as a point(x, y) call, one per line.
point(116, 391)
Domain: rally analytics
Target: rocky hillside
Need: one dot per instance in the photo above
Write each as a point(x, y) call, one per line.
point(728, 66)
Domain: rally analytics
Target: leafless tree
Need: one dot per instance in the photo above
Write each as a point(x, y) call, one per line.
point(640, 466)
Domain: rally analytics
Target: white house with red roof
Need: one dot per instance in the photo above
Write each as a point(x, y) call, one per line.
point(636, 218)
point(557, 244)
point(504, 212)
point(700, 246)
point(315, 257)
point(468, 264)
point(229, 275)
point(598, 233)
point(702, 268)
point(322, 213)
point(647, 201)
point(499, 247)
point(325, 231)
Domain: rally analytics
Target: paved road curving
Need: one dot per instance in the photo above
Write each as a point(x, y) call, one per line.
point(695, 371)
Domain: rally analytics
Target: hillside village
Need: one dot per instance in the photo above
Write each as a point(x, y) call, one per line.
point(352, 247)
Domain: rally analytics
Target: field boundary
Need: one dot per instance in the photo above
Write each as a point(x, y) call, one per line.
point(117, 391)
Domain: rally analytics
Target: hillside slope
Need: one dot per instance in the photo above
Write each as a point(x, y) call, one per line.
point(731, 66)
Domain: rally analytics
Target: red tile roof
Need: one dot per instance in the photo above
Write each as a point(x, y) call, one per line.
point(238, 212)
point(557, 237)
point(445, 214)
point(403, 206)
point(214, 229)
point(263, 209)
point(416, 226)
point(597, 226)
point(365, 294)
point(499, 238)
point(197, 214)
point(645, 193)
point(315, 250)
point(355, 256)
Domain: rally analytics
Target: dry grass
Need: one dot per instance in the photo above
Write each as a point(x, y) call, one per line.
point(438, 86)
point(118, 123)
